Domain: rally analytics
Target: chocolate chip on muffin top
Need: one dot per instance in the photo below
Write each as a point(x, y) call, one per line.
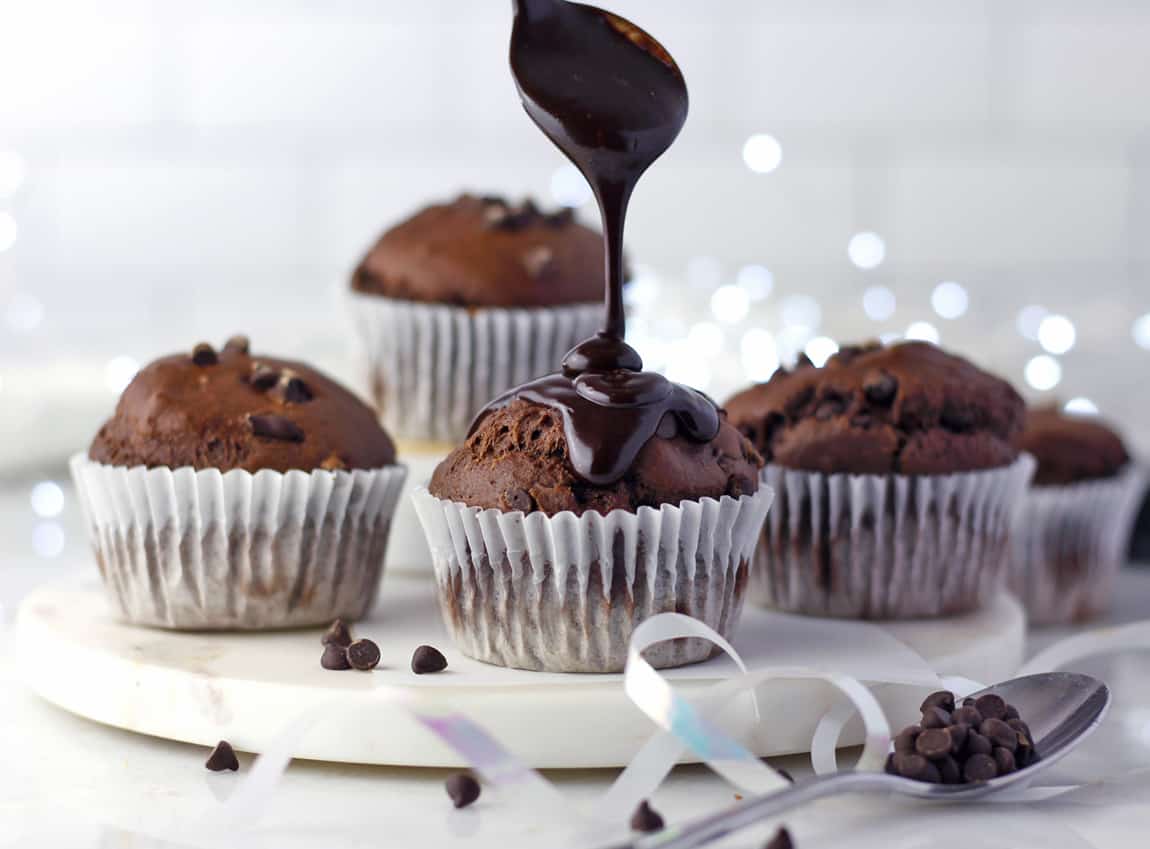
point(909, 408)
point(486, 252)
point(233, 410)
point(1071, 448)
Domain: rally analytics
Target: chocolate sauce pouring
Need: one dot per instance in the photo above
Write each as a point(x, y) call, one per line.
point(613, 100)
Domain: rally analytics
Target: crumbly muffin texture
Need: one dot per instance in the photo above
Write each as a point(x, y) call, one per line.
point(908, 409)
point(1071, 448)
point(517, 459)
point(486, 252)
point(234, 410)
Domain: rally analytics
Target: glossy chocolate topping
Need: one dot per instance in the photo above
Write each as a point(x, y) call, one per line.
point(612, 99)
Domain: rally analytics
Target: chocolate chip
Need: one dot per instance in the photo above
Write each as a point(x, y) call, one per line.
point(645, 819)
point(956, 419)
point(976, 744)
point(968, 702)
point(537, 259)
point(942, 699)
point(462, 788)
point(916, 767)
point(238, 344)
point(363, 655)
point(880, 387)
point(1022, 730)
point(1025, 756)
point(904, 741)
point(991, 706)
point(222, 757)
point(968, 715)
point(781, 840)
point(979, 768)
point(934, 743)
point(560, 217)
point(264, 378)
point(204, 355)
point(290, 389)
point(958, 733)
point(1004, 760)
point(999, 733)
point(519, 499)
point(1011, 713)
point(337, 634)
point(949, 770)
point(935, 717)
point(334, 657)
point(427, 659)
point(276, 427)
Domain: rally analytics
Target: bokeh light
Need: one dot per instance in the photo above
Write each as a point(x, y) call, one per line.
point(866, 250)
point(756, 280)
point(762, 153)
point(923, 331)
point(48, 539)
point(820, 349)
point(1029, 319)
point(705, 339)
point(730, 304)
point(949, 300)
point(879, 303)
point(47, 499)
point(569, 187)
point(1043, 372)
point(759, 354)
point(1056, 334)
point(1080, 407)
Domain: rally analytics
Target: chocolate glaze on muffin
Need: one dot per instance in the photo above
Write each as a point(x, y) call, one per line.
point(486, 252)
point(1071, 448)
point(909, 409)
point(234, 410)
point(518, 459)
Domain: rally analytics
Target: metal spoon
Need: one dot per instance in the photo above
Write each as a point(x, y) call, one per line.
point(1060, 708)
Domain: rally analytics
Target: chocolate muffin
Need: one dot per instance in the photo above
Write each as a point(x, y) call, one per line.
point(1071, 534)
point(466, 299)
point(235, 491)
point(897, 470)
point(517, 459)
point(232, 410)
point(1071, 448)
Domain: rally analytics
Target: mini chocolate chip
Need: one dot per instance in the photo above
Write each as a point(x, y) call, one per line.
point(1023, 731)
point(537, 259)
point(363, 655)
point(958, 734)
point(204, 355)
point(880, 387)
point(427, 659)
point(976, 744)
point(1025, 756)
point(222, 757)
point(999, 733)
point(943, 699)
point(956, 419)
point(519, 499)
point(462, 788)
point(334, 657)
point(916, 767)
point(337, 634)
point(263, 377)
point(276, 427)
point(1011, 713)
point(904, 741)
point(646, 819)
point(934, 743)
point(991, 706)
point(290, 389)
point(949, 770)
point(967, 715)
point(781, 840)
point(238, 344)
point(1004, 760)
point(935, 717)
point(979, 768)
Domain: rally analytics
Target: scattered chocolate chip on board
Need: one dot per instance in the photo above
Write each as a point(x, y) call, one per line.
point(980, 739)
point(427, 659)
point(222, 757)
point(334, 657)
point(781, 840)
point(337, 634)
point(463, 789)
point(363, 655)
point(646, 819)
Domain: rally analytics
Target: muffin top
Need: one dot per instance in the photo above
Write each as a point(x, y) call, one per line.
point(1071, 448)
point(486, 252)
point(233, 410)
point(908, 409)
point(517, 458)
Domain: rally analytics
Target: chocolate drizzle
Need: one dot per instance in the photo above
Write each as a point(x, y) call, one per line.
point(613, 100)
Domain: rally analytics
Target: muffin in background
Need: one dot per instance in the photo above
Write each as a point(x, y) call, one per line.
point(236, 491)
point(1071, 535)
point(896, 471)
point(539, 568)
point(466, 299)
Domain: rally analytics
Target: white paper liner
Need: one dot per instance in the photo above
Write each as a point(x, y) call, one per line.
point(204, 549)
point(563, 593)
point(1069, 544)
point(432, 367)
point(886, 546)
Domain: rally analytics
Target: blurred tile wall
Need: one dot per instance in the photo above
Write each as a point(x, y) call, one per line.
point(171, 172)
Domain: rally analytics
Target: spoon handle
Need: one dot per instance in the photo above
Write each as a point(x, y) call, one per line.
point(752, 811)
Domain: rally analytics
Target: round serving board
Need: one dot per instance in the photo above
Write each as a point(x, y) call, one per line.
point(203, 687)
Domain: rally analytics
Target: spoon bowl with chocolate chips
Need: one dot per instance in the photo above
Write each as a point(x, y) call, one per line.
point(966, 749)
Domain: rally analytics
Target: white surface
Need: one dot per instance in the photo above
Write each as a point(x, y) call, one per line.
point(245, 687)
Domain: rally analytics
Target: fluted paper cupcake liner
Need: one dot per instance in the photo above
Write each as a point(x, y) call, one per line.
point(563, 593)
point(204, 549)
point(1069, 544)
point(432, 367)
point(886, 546)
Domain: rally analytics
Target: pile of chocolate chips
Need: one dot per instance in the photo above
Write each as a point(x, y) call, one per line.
point(340, 651)
point(977, 741)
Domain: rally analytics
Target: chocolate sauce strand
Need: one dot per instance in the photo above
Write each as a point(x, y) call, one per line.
point(613, 199)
